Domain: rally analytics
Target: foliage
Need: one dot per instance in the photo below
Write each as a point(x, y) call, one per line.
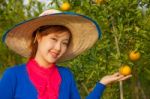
point(124, 28)
point(13, 12)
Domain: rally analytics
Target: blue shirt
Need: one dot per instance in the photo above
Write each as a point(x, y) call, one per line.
point(15, 84)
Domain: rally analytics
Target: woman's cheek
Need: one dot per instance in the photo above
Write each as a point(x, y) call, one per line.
point(64, 49)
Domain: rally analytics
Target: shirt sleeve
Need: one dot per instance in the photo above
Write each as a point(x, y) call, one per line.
point(97, 91)
point(74, 91)
point(7, 84)
point(95, 94)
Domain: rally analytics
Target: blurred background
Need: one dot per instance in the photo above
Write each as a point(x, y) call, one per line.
point(125, 28)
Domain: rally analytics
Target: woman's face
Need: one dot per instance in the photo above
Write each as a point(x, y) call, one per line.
point(51, 47)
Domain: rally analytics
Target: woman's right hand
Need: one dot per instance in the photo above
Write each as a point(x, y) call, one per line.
point(108, 79)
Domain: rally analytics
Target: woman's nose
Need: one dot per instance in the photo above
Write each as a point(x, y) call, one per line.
point(58, 46)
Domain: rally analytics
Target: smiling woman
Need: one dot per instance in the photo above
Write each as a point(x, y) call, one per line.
point(45, 41)
point(53, 38)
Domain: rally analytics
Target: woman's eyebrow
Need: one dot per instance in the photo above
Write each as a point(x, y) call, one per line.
point(66, 39)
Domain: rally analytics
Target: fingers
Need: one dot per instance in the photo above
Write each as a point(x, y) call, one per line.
point(114, 78)
point(117, 76)
point(125, 77)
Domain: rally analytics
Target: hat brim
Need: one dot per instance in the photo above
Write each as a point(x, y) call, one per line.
point(85, 32)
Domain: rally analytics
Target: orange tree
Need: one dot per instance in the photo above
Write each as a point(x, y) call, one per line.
point(125, 28)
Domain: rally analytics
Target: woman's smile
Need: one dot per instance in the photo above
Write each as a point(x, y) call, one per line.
point(54, 54)
point(51, 47)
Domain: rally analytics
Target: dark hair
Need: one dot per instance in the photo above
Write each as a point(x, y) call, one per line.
point(43, 31)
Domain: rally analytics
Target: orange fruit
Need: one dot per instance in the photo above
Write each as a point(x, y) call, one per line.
point(134, 56)
point(125, 70)
point(99, 1)
point(65, 6)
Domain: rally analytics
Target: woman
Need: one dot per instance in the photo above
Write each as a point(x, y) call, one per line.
point(51, 38)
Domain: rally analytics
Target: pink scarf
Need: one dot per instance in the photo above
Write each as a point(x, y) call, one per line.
point(46, 80)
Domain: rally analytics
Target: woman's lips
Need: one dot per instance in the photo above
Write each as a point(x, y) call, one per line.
point(54, 54)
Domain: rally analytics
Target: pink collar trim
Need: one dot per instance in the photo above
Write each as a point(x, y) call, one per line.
point(46, 80)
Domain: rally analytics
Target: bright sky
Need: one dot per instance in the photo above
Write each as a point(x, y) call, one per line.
point(44, 1)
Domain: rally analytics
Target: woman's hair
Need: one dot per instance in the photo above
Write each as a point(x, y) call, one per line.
point(44, 31)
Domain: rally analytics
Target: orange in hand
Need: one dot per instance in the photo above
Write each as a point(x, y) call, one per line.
point(125, 70)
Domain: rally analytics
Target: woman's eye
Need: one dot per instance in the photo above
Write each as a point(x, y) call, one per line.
point(54, 39)
point(65, 43)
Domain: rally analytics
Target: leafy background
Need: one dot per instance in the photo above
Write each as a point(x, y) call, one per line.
point(125, 27)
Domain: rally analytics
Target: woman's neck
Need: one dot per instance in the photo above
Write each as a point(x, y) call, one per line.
point(43, 63)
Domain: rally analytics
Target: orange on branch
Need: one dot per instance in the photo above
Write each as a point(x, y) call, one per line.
point(99, 1)
point(134, 56)
point(65, 6)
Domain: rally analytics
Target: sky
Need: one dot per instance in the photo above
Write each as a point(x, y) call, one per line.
point(44, 1)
